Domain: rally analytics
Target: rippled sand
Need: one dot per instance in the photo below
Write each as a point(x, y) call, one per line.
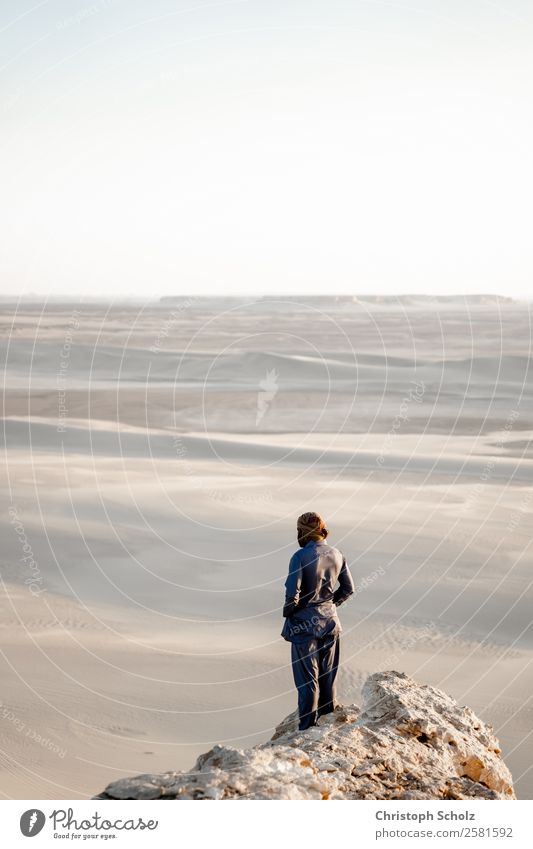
point(156, 457)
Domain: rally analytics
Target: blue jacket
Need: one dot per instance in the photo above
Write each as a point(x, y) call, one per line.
point(311, 599)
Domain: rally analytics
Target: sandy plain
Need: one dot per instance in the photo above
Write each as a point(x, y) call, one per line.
point(155, 456)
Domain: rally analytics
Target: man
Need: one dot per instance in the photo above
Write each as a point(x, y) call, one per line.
point(311, 622)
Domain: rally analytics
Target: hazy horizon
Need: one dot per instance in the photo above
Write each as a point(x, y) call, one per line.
point(67, 297)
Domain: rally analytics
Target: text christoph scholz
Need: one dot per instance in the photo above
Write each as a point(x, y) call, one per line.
point(425, 815)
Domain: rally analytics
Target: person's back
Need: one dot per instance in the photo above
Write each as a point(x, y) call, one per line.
point(311, 621)
point(321, 567)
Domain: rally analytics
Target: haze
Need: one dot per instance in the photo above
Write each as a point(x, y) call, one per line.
point(271, 146)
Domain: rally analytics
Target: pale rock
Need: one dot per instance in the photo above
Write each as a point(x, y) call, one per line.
point(408, 741)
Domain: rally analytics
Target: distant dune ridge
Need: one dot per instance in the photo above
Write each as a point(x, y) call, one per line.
point(407, 742)
point(352, 299)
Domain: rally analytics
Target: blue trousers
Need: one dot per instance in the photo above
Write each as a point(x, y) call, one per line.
point(315, 663)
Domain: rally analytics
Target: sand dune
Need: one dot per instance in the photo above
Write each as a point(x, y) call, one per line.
point(131, 442)
point(159, 507)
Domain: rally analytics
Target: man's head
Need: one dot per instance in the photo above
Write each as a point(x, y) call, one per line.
point(310, 526)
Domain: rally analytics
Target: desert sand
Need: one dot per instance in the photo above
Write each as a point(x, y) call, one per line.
point(155, 458)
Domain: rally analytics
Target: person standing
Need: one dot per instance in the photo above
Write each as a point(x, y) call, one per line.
point(311, 622)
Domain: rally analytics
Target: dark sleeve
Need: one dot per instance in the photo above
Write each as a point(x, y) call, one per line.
point(292, 585)
point(346, 585)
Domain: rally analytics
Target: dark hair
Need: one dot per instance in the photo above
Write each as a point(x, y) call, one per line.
point(303, 538)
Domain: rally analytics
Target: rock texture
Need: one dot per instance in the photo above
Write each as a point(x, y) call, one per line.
point(408, 741)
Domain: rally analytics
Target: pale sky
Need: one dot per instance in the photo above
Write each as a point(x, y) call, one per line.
point(266, 146)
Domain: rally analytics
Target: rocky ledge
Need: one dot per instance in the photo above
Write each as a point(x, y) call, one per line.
point(408, 741)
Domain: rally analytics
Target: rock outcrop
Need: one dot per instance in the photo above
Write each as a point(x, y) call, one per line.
point(408, 741)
